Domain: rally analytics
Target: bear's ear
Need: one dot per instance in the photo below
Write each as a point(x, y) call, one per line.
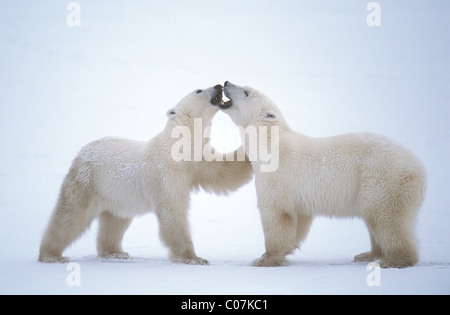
point(172, 112)
point(269, 115)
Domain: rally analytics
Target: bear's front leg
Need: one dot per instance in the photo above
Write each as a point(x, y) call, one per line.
point(174, 231)
point(280, 235)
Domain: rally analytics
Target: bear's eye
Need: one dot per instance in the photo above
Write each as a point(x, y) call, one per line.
point(247, 93)
point(199, 91)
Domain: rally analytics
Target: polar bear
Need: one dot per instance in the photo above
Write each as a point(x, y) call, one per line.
point(354, 175)
point(117, 179)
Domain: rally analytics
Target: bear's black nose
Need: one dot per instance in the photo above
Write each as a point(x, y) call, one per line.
point(218, 87)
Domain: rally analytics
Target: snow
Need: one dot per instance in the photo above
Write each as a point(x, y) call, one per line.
point(117, 74)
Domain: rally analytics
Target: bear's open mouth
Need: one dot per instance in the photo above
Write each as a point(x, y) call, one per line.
point(226, 104)
point(216, 98)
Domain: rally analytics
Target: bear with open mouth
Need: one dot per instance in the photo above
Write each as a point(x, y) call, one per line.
point(116, 180)
point(360, 175)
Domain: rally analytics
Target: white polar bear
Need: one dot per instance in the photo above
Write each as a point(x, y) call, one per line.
point(354, 175)
point(117, 179)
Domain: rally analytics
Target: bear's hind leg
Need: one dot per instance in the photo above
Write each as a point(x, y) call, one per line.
point(399, 249)
point(393, 242)
point(110, 236)
point(67, 224)
point(390, 213)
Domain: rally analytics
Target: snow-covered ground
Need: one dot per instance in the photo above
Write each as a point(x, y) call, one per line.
point(128, 62)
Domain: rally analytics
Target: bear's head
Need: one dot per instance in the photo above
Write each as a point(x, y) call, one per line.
point(261, 123)
point(247, 106)
point(196, 104)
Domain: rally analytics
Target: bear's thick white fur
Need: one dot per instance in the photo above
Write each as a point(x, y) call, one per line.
point(117, 179)
point(355, 175)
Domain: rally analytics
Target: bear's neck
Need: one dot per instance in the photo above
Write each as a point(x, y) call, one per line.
point(198, 130)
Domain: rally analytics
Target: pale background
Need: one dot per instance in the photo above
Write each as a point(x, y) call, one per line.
point(129, 62)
